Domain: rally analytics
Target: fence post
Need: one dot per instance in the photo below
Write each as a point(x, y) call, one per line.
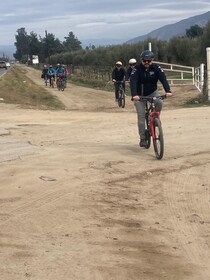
point(202, 69)
point(208, 71)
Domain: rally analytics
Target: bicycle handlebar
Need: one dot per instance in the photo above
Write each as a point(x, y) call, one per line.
point(119, 82)
point(151, 99)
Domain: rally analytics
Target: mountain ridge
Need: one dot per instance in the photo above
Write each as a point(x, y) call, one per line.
point(168, 31)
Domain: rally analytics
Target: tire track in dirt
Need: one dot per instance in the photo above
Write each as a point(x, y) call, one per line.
point(121, 199)
point(36, 201)
point(188, 211)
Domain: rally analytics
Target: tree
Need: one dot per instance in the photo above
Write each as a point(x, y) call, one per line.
point(22, 44)
point(34, 45)
point(204, 43)
point(50, 46)
point(71, 42)
point(194, 31)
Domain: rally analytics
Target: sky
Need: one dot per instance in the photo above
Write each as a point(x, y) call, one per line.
point(113, 21)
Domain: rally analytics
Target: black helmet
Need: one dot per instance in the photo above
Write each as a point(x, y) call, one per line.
point(147, 55)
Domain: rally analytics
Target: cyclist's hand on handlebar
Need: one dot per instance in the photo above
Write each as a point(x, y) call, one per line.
point(113, 80)
point(168, 94)
point(136, 98)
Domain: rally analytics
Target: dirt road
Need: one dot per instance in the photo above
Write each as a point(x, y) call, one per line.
point(80, 200)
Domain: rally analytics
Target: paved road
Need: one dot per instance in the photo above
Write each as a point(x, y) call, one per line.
point(2, 72)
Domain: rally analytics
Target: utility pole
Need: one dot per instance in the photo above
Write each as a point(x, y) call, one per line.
point(150, 46)
point(208, 71)
point(47, 43)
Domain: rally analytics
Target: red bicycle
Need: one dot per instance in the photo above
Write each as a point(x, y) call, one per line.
point(153, 128)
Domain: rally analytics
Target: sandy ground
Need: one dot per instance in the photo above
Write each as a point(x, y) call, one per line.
point(79, 200)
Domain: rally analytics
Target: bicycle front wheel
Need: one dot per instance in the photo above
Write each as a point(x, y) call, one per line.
point(123, 98)
point(158, 141)
point(62, 85)
point(119, 98)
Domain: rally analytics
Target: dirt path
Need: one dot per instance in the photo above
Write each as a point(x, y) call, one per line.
point(80, 199)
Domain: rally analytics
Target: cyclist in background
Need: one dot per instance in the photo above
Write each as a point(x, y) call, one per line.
point(66, 73)
point(60, 73)
point(66, 69)
point(51, 74)
point(118, 75)
point(57, 66)
point(143, 82)
point(132, 64)
point(44, 72)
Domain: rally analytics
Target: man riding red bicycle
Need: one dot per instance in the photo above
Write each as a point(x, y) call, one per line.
point(143, 82)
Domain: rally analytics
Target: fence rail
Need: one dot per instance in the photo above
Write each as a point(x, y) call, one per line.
point(176, 74)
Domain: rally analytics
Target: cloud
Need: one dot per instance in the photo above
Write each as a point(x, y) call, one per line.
point(93, 18)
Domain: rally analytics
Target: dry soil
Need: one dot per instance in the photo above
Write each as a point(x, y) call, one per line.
point(80, 200)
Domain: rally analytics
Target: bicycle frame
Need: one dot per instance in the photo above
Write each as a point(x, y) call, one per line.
point(153, 126)
point(152, 115)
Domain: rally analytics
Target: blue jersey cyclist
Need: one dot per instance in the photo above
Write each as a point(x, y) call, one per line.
point(60, 72)
point(51, 71)
point(143, 82)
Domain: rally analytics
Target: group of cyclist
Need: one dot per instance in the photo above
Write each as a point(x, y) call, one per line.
point(143, 78)
point(53, 74)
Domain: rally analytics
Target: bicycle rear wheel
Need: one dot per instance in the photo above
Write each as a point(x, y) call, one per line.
point(158, 141)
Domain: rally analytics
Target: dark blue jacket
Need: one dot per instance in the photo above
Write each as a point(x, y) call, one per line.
point(143, 81)
point(118, 75)
point(128, 73)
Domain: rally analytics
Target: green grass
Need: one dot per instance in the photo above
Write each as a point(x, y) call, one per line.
point(198, 101)
point(95, 84)
point(17, 88)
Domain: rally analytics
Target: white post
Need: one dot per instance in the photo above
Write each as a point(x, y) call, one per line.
point(150, 46)
point(208, 71)
point(202, 76)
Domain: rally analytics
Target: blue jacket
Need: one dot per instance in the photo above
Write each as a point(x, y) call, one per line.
point(51, 71)
point(60, 72)
point(143, 81)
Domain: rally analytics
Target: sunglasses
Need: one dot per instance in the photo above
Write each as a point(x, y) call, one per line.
point(132, 64)
point(118, 65)
point(146, 60)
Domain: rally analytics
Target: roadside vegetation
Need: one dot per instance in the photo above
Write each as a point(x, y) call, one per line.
point(16, 88)
point(185, 50)
point(95, 84)
point(199, 101)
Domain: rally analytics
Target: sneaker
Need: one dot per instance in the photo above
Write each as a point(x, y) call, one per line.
point(142, 143)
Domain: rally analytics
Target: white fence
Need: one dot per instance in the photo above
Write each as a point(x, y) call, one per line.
point(184, 75)
point(176, 74)
point(199, 77)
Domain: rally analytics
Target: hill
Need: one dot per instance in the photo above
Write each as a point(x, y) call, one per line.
point(7, 51)
point(176, 29)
